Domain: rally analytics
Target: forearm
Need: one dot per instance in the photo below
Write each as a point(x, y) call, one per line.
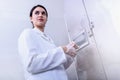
point(50, 60)
point(68, 62)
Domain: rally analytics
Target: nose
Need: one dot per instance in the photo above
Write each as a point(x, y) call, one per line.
point(40, 14)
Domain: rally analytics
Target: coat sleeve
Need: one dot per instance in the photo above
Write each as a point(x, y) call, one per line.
point(68, 62)
point(36, 62)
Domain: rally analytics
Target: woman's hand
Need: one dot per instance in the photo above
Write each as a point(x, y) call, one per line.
point(70, 49)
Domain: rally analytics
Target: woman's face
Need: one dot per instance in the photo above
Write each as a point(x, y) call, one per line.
point(39, 17)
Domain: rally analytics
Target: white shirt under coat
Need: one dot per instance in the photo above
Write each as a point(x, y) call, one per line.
point(41, 59)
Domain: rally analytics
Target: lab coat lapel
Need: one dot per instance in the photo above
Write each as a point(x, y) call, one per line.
point(44, 36)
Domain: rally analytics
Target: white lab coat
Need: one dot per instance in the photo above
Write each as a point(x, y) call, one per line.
point(42, 60)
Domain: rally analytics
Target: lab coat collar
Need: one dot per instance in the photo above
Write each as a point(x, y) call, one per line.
point(43, 35)
point(38, 31)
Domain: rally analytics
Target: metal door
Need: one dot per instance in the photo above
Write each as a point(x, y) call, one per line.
point(88, 64)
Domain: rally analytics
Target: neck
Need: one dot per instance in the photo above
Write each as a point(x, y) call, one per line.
point(40, 28)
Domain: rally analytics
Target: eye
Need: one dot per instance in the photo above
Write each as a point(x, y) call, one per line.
point(37, 12)
point(43, 13)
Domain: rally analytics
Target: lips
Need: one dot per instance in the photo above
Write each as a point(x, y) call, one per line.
point(41, 20)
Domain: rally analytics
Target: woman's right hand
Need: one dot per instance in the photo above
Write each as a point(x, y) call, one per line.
point(70, 49)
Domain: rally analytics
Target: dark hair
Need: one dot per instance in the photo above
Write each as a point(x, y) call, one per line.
point(31, 12)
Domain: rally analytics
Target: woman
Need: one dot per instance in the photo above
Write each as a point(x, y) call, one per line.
point(42, 60)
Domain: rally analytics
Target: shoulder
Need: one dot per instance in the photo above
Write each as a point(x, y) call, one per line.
point(26, 33)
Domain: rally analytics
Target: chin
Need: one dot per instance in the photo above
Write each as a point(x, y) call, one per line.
point(41, 26)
